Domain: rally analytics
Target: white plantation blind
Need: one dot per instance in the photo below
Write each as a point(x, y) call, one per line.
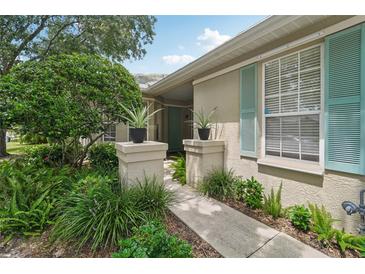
point(293, 105)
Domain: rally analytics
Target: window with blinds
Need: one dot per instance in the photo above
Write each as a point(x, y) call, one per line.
point(293, 104)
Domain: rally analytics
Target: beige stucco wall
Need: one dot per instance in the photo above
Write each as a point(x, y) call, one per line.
point(331, 189)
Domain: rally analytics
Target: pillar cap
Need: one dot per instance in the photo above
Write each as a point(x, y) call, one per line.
point(203, 143)
point(130, 147)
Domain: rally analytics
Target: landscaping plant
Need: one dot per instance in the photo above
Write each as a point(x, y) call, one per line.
point(137, 116)
point(151, 197)
point(219, 184)
point(321, 223)
point(250, 191)
point(179, 169)
point(28, 196)
point(348, 241)
point(152, 241)
point(300, 217)
point(272, 203)
point(203, 120)
point(104, 213)
point(103, 156)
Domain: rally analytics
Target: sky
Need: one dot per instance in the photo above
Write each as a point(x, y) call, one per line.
point(182, 39)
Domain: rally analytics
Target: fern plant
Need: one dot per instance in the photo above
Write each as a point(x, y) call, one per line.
point(322, 223)
point(272, 203)
point(179, 169)
point(348, 241)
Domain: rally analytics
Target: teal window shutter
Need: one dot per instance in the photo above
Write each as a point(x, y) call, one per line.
point(344, 101)
point(248, 108)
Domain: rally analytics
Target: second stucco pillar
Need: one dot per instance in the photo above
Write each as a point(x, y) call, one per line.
point(201, 158)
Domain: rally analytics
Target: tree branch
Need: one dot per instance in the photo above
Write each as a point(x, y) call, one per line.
point(25, 42)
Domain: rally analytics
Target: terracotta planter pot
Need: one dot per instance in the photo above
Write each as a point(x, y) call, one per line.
point(203, 133)
point(138, 135)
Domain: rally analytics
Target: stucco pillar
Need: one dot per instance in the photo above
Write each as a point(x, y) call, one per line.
point(201, 158)
point(139, 160)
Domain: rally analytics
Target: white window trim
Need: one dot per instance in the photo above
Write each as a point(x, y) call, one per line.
point(281, 161)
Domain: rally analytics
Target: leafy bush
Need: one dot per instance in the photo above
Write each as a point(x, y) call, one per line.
point(348, 241)
point(250, 191)
point(106, 212)
point(179, 169)
point(103, 156)
point(152, 241)
point(49, 155)
point(219, 184)
point(272, 203)
point(322, 222)
point(28, 196)
point(32, 139)
point(300, 217)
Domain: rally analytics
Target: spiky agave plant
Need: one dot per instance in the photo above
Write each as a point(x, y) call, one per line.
point(201, 119)
point(138, 116)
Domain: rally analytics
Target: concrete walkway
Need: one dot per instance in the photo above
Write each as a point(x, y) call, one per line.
point(230, 232)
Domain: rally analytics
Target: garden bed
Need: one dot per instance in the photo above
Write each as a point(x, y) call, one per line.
point(284, 225)
point(40, 247)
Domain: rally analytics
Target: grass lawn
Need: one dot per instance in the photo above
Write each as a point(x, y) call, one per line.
point(17, 148)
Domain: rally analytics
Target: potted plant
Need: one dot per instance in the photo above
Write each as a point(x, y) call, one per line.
point(203, 123)
point(138, 118)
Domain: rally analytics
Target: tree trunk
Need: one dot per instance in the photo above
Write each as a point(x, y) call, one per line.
point(3, 152)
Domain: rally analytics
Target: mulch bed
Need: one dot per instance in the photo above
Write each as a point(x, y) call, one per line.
point(284, 225)
point(41, 247)
point(201, 249)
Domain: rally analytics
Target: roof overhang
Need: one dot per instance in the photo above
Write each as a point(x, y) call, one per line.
point(267, 32)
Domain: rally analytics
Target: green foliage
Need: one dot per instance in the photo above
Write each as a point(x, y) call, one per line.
point(250, 191)
point(348, 241)
point(203, 120)
point(105, 212)
point(152, 241)
point(179, 169)
point(28, 196)
point(32, 139)
point(272, 203)
point(49, 155)
point(321, 224)
point(300, 217)
point(137, 117)
point(151, 197)
point(68, 97)
point(103, 156)
point(219, 184)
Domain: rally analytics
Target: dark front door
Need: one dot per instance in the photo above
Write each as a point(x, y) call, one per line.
point(175, 129)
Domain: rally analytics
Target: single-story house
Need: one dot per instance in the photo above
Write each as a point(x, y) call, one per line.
point(290, 98)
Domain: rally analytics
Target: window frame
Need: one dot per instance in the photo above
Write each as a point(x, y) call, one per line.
point(321, 113)
point(115, 131)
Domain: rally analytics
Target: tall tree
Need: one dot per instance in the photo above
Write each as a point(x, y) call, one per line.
point(35, 37)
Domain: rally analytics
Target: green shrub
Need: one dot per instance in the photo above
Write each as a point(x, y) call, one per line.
point(348, 241)
point(321, 223)
point(250, 191)
point(219, 184)
point(49, 155)
point(103, 156)
point(300, 217)
point(272, 203)
point(32, 139)
point(179, 169)
point(107, 211)
point(151, 197)
point(152, 241)
point(28, 196)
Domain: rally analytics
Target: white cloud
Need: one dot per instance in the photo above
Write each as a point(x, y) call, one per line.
point(181, 47)
point(210, 39)
point(177, 59)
